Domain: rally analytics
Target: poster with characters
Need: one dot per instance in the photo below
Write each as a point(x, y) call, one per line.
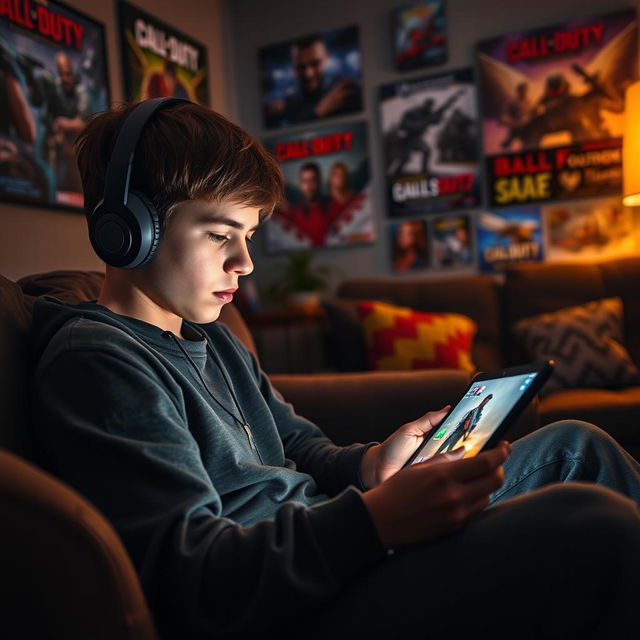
point(589, 230)
point(327, 189)
point(159, 61)
point(419, 35)
point(430, 129)
point(408, 239)
point(313, 77)
point(508, 236)
point(53, 75)
point(451, 241)
point(552, 104)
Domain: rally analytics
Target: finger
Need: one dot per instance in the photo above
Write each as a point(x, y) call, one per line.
point(425, 423)
point(434, 418)
point(482, 487)
point(481, 465)
point(449, 456)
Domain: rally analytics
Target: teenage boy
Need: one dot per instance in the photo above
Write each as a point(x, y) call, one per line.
point(241, 517)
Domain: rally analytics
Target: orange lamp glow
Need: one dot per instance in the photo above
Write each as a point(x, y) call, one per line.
point(631, 147)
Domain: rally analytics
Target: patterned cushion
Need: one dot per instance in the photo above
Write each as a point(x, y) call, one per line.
point(586, 343)
point(401, 338)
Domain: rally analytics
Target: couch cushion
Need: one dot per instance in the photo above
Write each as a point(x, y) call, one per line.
point(586, 343)
point(399, 338)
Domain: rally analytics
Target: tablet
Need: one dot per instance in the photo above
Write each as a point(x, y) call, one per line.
point(490, 405)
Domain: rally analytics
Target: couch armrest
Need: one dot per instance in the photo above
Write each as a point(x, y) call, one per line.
point(361, 407)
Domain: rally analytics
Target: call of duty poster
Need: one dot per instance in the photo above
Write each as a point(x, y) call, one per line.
point(327, 189)
point(552, 103)
point(430, 129)
point(508, 236)
point(451, 241)
point(589, 230)
point(53, 72)
point(420, 35)
point(312, 77)
point(159, 61)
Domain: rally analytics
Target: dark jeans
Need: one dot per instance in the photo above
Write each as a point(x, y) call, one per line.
point(556, 555)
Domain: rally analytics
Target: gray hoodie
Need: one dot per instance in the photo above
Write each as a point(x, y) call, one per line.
point(239, 515)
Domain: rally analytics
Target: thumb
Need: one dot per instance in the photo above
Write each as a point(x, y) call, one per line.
point(434, 418)
point(428, 421)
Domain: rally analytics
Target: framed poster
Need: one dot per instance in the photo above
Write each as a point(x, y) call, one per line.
point(408, 240)
point(54, 76)
point(158, 60)
point(552, 103)
point(508, 236)
point(327, 189)
point(451, 241)
point(430, 135)
point(419, 35)
point(313, 77)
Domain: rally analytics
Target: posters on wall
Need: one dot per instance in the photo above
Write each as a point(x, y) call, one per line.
point(451, 241)
point(419, 35)
point(408, 239)
point(327, 189)
point(508, 236)
point(589, 230)
point(429, 126)
point(53, 73)
point(158, 60)
point(552, 103)
point(313, 77)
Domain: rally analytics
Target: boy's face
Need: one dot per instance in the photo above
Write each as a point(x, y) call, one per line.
point(202, 254)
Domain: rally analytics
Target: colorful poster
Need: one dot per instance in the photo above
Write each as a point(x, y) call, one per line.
point(430, 129)
point(420, 35)
point(53, 74)
point(313, 77)
point(508, 236)
point(408, 240)
point(451, 241)
point(589, 230)
point(328, 189)
point(552, 103)
point(159, 61)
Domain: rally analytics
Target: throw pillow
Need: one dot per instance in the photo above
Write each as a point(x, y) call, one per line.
point(586, 343)
point(402, 338)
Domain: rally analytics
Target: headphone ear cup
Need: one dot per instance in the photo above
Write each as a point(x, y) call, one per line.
point(144, 211)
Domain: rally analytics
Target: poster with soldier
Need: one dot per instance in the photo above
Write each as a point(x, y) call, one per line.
point(327, 199)
point(452, 244)
point(552, 105)
point(53, 76)
point(430, 135)
point(313, 77)
point(158, 60)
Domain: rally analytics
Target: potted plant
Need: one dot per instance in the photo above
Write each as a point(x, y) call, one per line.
point(300, 283)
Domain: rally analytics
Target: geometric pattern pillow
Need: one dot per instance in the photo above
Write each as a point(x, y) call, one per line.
point(586, 343)
point(399, 338)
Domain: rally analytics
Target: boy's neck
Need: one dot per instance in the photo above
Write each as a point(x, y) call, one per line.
point(121, 294)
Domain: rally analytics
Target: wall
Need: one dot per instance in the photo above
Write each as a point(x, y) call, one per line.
point(469, 21)
point(33, 240)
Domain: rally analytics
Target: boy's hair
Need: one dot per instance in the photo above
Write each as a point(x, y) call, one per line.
point(185, 151)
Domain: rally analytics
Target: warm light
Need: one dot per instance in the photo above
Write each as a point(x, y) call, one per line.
point(631, 147)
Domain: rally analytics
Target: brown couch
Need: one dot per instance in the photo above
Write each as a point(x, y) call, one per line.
point(65, 573)
point(525, 291)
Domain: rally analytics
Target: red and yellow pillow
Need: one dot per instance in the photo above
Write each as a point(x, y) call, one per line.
point(401, 338)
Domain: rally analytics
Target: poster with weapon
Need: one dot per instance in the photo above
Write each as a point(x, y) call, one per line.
point(430, 128)
point(158, 60)
point(327, 199)
point(53, 77)
point(552, 108)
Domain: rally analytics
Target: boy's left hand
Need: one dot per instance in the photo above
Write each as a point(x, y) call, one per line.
point(381, 461)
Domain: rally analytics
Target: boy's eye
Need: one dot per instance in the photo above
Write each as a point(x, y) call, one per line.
point(217, 237)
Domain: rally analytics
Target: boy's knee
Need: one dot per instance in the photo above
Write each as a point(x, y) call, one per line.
point(572, 432)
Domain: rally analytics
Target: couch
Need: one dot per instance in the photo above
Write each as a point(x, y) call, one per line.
point(495, 304)
point(65, 572)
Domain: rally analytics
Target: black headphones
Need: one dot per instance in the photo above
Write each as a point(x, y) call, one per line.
point(124, 228)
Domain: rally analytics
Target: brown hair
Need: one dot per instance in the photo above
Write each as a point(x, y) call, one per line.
point(186, 151)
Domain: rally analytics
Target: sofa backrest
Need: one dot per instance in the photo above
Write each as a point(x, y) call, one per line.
point(16, 305)
point(476, 296)
point(532, 289)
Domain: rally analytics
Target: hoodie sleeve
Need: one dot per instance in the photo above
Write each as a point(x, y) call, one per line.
point(113, 427)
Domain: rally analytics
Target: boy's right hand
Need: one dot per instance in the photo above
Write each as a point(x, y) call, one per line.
point(426, 500)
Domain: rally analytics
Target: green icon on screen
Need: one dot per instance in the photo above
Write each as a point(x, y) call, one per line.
point(440, 433)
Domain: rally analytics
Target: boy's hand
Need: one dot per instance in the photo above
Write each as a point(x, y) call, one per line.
point(381, 461)
point(426, 500)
